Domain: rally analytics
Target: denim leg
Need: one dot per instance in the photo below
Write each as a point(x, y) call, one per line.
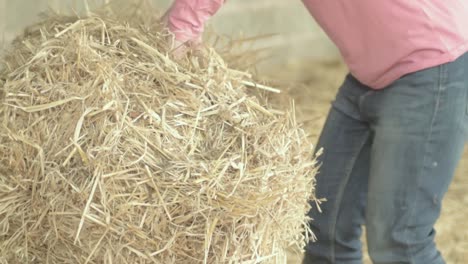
point(342, 180)
point(415, 131)
point(420, 125)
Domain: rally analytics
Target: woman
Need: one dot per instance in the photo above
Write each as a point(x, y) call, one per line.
point(396, 129)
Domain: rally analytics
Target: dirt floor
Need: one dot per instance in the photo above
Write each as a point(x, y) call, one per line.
point(313, 87)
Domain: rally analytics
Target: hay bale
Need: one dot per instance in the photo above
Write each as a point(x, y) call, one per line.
point(112, 152)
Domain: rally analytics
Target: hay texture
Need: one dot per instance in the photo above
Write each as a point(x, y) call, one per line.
point(111, 151)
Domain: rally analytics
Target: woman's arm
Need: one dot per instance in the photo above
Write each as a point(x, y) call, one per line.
point(187, 18)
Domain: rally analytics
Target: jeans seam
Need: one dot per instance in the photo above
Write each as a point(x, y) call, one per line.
point(340, 197)
point(362, 98)
point(440, 87)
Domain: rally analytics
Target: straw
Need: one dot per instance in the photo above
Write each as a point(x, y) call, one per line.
point(112, 151)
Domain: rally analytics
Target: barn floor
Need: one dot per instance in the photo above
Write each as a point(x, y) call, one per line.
point(314, 87)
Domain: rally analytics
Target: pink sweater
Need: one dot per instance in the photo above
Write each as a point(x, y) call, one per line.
point(380, 40)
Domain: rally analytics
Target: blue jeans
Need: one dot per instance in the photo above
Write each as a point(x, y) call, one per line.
point(389, 157)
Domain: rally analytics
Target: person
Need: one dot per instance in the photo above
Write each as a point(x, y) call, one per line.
point(395, 131)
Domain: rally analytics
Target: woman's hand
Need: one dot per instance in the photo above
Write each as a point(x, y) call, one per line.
point(186, 20)
point(180, 49)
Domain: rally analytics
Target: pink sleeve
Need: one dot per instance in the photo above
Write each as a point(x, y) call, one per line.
point(187, 17)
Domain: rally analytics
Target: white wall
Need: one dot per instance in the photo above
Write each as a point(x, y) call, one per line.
point(298, 36)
